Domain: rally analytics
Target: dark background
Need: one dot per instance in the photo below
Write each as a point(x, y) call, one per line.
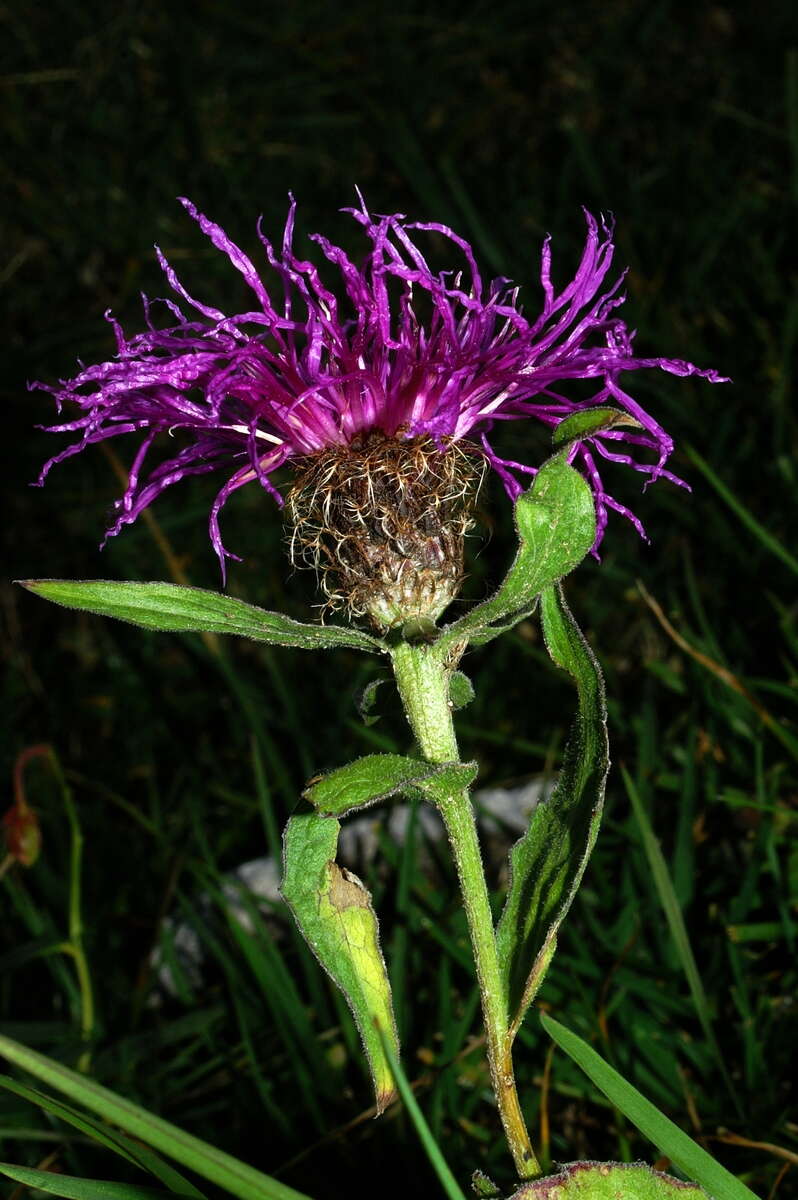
point(500, 119)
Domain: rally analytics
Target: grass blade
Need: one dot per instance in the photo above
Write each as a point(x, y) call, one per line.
point(64, 1112)
point(768, 540)
point(450, 1185)
point(230, 1173)
point(675, 919)
point(683, 1152)
point(81, 1189)
point(134, 1151)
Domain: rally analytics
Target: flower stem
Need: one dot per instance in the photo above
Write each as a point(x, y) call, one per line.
point(422, 678)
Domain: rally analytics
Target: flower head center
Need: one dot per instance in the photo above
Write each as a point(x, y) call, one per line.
point(382, 520)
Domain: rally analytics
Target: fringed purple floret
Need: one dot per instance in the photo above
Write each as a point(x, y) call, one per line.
point(245, 393)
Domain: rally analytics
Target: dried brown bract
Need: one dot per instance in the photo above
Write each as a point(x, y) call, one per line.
point(382, 521)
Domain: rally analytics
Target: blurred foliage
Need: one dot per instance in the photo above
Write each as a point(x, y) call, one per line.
point(501, 119)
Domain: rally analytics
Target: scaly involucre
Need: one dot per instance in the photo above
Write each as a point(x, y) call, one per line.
point(246, 393)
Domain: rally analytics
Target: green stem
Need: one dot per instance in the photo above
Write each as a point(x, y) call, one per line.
point(75, 947)
point(423, 682)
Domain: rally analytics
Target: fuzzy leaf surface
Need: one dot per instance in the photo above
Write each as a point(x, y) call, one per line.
point(685, 1154)
point(461, 690)
point(367, 702)
point(589, 421)
point(608, 1181)
point(333, 911)
point(175, 608)
point(547, 863)
point(556, 525)
point(378, 776)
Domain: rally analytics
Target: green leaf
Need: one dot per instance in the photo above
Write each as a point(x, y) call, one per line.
point(461, 690)
point(134, 1152)
point(333, 911)
point(367, 701)
point(230, 1173)
point(547, 864)
point(587, 422)
point(484, 1186)
point(683, 1152)
point(66, 1113)
point(173, 608)
point(608, 1181)
point(81, 1189)
point(556, 525)
point(378, 776)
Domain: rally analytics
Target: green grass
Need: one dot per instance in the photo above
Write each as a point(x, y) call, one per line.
point(500, 119)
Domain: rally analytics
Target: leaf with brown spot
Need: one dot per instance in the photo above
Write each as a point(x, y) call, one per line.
point(333, 911)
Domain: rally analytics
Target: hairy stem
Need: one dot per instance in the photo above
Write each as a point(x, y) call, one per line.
point(423, 682)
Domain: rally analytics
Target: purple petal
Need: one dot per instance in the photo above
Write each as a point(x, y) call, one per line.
point(248, 391)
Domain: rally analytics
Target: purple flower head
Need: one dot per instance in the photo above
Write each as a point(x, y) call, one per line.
point(313, 369)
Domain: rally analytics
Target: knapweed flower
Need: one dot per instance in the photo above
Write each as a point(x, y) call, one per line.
point(381, 395)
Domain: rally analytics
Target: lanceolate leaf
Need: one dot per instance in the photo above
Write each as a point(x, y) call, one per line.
point(556, 524)
point(333, 911)
point(378, 776)
point(173, 608)
point(229, 1173)
point(134, 1151)
point(609, 1181)
point(547, 864)
point(684, 1153)
point(81, 1189)
point(588, 421)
